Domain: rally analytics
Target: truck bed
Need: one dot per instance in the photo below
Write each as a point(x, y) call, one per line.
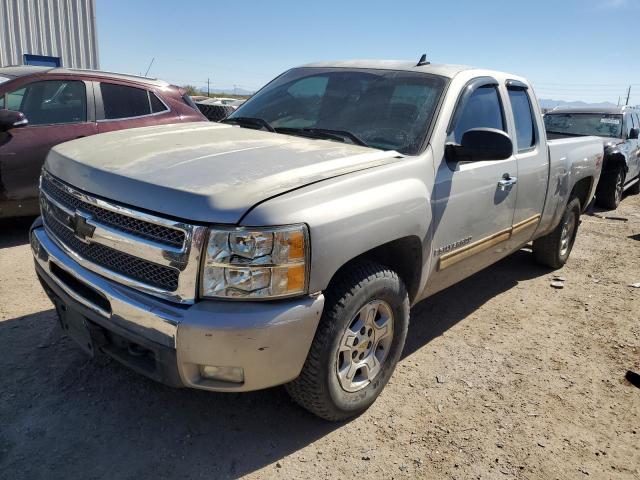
point(570, 160)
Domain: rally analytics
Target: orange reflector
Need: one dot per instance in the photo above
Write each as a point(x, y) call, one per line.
point(295, 278)
point(296, 245)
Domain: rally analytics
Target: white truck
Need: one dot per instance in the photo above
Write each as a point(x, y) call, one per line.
point(286, 245)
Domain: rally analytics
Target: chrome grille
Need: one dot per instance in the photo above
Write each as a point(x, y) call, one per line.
point(150, 231)
point(150, 273)
point(140, 250)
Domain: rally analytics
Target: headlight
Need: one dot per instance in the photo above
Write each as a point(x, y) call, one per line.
point(258, 263)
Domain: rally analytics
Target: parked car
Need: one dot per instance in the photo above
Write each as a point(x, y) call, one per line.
point(287, 245)
point(619, 129)
point(41, 107)
point(223, 101)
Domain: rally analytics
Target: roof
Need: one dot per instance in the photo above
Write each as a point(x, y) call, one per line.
point(610, 110)
point(444, 70)
point(23, 70)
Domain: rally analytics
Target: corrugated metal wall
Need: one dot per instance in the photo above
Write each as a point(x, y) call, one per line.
point(56, 28)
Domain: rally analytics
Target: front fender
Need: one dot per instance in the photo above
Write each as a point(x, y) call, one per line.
point(352, 214)
point(614, 159)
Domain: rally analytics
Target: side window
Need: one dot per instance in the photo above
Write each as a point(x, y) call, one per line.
point(523, 117)
point(121, 101)
point(630, 125)
point(50, 102)
point(482, 110)
point(156, 104)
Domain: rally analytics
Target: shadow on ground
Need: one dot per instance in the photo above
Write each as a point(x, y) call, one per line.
point(14, 231)
point(66, 416)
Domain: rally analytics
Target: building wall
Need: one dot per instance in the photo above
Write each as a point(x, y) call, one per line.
point(55, 28)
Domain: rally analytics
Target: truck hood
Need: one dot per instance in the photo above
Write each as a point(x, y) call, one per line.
point(203, 172)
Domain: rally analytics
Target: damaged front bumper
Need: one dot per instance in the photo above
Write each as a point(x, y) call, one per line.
point(262, 343)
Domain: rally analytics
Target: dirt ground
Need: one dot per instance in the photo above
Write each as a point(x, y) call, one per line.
point(531, 385)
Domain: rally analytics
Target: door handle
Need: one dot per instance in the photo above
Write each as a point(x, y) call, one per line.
point(507, 182)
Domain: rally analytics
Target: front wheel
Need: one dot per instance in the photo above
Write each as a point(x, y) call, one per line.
point(610, 188)
point(357, 345)
point(554, 248)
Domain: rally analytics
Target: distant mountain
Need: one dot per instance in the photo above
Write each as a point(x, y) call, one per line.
point(228, 91)
point(545, 103)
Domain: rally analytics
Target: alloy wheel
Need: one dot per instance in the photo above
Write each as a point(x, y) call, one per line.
point(364, 346)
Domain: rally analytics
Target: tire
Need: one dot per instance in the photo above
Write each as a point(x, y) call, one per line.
point(553, 249)
point(610, 189)
point(320, 388)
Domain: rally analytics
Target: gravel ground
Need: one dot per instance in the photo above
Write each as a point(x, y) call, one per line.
point(503, 376)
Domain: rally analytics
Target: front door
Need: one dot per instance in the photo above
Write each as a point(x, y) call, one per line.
point(633, 161)
point(474, 207)
point(57, 111)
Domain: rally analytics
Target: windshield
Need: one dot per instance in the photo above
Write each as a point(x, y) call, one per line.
point(384, 109)
point(598, 124)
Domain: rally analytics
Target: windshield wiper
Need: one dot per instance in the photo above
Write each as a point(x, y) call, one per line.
point(242, 121)
point(325, 133)
point(568, 133)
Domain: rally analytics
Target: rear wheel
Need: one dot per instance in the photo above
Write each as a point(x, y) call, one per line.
point(357, 345)
point(553, 249)
point(609, 193)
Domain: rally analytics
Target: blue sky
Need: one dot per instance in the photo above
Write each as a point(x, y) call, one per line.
point(570, 49)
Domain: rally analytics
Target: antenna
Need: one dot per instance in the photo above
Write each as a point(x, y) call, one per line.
point(422, 61)
point(149, 67)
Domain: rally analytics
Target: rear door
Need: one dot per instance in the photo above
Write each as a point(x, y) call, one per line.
point(533, 162)
point(472, 213)
point(121, 106)
point(57, 110)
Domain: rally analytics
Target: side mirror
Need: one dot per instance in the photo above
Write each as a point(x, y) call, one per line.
point(480, 144)
point(10, 119)
point(634, 133)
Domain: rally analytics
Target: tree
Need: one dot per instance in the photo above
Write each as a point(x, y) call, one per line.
point(191, 90)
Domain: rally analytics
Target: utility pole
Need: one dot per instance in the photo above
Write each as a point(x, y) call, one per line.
point(619, 100)
point(628, 95)
point(208, 89)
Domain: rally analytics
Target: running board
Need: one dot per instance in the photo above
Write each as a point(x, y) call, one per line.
point(631, 184)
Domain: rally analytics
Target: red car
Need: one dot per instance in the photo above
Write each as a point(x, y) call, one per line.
point(41, 107)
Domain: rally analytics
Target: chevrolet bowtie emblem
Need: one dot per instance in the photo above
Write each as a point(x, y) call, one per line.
point(81, 228)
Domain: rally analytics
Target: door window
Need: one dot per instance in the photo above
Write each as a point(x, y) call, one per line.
point(50, 102)
point(121, 102)
point(156, 104)
point(483, 109)
point(523, 117)
point(630, 125)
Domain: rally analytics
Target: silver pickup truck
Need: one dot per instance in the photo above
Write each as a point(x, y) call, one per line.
point(287, 244)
